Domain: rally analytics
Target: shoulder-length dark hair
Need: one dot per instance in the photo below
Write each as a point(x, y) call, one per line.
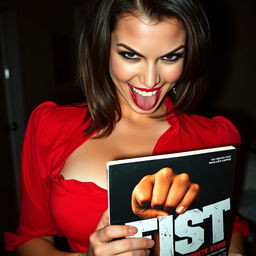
point(100, 92)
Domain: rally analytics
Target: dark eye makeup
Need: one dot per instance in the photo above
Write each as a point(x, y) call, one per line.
point(135, 57)
point(173, 57)
point(128, 55)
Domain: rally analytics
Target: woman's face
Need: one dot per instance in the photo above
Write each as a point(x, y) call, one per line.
point(146, 59)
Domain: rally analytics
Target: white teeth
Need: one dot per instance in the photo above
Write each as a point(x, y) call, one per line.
point(143, 93)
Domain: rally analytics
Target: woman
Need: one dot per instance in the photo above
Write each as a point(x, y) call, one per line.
point(134, 54)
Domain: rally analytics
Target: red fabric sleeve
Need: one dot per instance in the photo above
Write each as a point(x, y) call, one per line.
point(35, 218)
point(227, 132)
point(241, 226)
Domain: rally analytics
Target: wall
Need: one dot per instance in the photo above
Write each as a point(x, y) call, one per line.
point(46, 36)
point(232, 69)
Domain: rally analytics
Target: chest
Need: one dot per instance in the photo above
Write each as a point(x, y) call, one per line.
point(88, 162)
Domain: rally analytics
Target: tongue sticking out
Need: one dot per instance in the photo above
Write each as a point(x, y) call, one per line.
point(145, 102)
point(145, 99)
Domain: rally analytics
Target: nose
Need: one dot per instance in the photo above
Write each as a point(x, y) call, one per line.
point(150, 76)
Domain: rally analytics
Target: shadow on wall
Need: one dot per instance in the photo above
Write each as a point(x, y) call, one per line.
point(246, 185)
point(221, 48)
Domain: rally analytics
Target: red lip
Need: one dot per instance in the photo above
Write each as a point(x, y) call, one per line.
point(144, 89)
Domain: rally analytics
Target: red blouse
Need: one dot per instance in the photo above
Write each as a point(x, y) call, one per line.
point(51, 205)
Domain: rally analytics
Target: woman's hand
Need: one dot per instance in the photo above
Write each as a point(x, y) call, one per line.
point(237, 245)
point(160, 193)
point(101, 241)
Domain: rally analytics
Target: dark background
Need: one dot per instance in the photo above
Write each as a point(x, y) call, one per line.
point(38, 46)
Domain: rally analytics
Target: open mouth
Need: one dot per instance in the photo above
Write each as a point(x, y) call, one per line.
point(145, 99)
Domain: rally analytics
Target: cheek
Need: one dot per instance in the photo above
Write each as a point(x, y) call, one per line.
point(173, 73)
point(119, 70)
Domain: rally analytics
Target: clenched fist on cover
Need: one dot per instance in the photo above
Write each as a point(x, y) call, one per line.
point(160, 193)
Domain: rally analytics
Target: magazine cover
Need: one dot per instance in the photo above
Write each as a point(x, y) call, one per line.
point(205, 228)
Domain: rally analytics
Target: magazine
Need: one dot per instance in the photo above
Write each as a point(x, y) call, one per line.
point(205, 228)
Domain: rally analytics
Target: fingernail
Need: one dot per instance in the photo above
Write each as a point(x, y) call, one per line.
point(147, 252)
point(132, 230)
point(180, 209)
point(151, 243)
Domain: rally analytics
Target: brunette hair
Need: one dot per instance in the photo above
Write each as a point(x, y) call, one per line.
point(100, 92)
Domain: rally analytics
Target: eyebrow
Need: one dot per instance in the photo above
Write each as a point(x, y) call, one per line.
point(137, 53)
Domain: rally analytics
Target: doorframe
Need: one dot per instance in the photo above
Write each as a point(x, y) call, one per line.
point(12, 87)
